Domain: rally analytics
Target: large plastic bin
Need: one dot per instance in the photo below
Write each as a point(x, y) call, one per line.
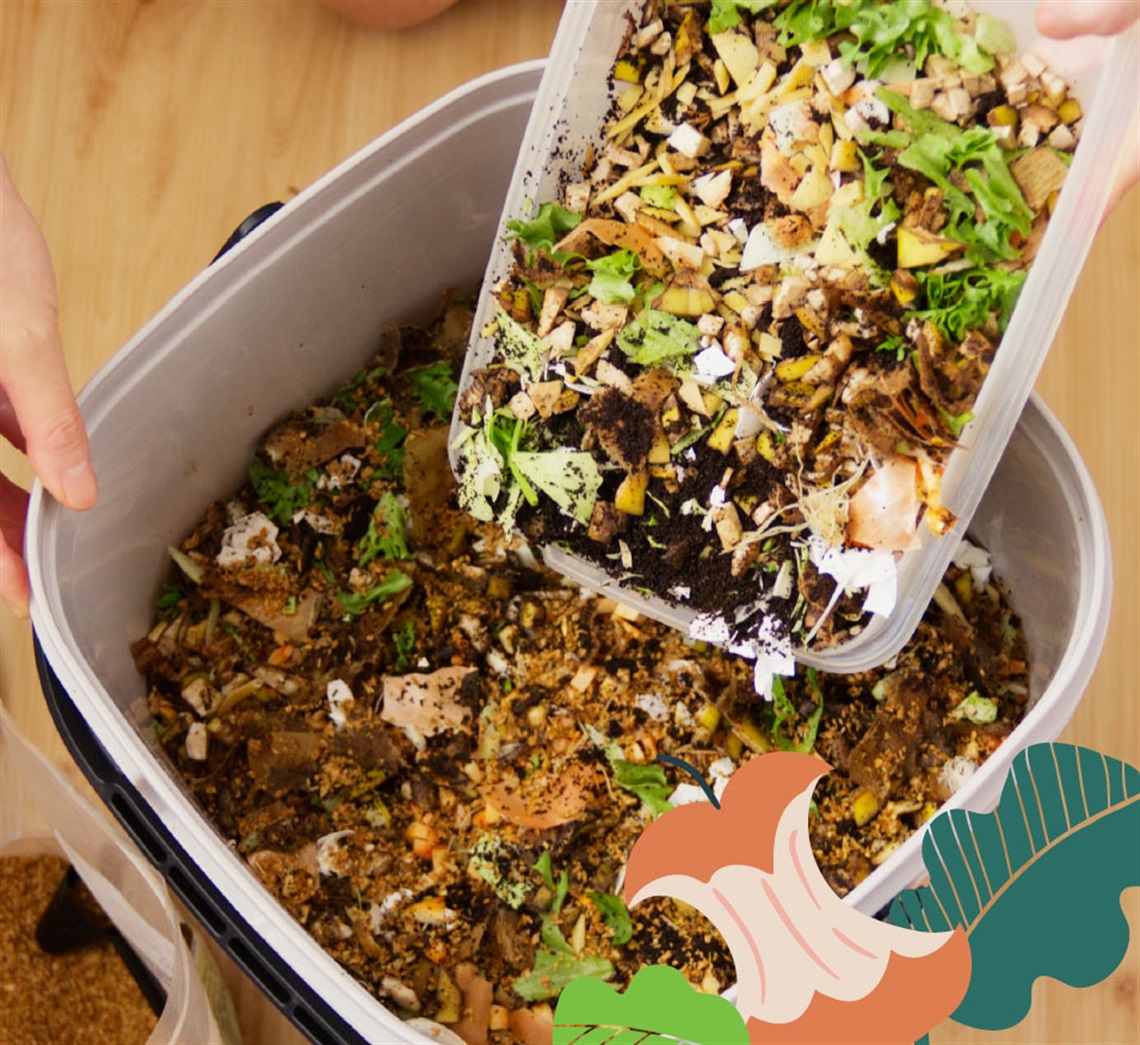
point(175, 416)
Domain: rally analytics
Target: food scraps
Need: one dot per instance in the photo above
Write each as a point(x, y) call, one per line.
point(732, 358)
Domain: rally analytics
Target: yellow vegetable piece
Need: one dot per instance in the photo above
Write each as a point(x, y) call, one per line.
point(845, 157)
point(734, 747)
point(686, 301)
point(630, 495)
point(659, 452)
point(794, 369)
point(766, 446)
point(627, 71)
point(904, 287)
point(722, 435)
point(708, 718)
point(1002, 116)
point(864, 807)
point(918, 248)
point(1069, 110)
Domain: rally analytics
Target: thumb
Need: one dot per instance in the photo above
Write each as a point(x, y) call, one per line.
point(1063, 19)
point(43, 418)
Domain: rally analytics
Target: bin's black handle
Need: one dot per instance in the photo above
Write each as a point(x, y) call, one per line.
point(266, 210)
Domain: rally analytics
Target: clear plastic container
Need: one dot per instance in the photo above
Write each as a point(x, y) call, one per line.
point(175, 416)
point(569, 112)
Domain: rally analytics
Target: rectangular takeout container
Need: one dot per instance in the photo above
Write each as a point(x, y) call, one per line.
point(175, 416)
point(577, 92)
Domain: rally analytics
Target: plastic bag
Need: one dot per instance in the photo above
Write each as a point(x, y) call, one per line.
point(55, 818)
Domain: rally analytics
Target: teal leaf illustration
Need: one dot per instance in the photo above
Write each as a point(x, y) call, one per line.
point(659, 1007)
point(1036, 884)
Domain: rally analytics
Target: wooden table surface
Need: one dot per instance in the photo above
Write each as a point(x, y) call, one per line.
point(141, 133)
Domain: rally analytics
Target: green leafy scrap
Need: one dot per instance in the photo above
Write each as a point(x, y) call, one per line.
point(435, 389)
point(405, 640)
point(615, 915)
point(725, 14)
point(647, 780)
point(959, 301)
point(553, 971)
point(570, 478)
point(657, 338)
point(281, 496)
point(389, 443)
point(785, 713)
point(167, 603)
point(612, 277)
point(499, 865)
point(939, 150)
point(522, 350)
point(659, 1006)
point(877, 33)
point(546, 228)
point(352, 604)
point(387, 533)
point(875, 214)
point(1068, 818)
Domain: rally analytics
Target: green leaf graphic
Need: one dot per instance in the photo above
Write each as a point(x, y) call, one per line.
point(1036, 884)
point(660, 1006)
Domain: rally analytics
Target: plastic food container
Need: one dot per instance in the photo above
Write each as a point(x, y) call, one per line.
point(574, 97)
point(176, 414)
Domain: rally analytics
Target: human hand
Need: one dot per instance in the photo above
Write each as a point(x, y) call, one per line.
point(38, 413)
point(1064, 19)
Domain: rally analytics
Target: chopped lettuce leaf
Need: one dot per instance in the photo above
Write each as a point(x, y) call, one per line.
point(435, 388)
point(939, 148)
point(493, 461)
point(726, 13)
point(552, 972)
point(570, 478)
point(612, 276)
point(390, 441)
point(489, 859)
point(859, 225)
point(546, 228)
point(661, 196)
point(783, 711)
point(646, 780)
point(659, 338)
point(615, 914)
point(281, 496)
point(523, 351)
point(387, 533)
point(353, 604)
point(880, 32)
point(957, 301)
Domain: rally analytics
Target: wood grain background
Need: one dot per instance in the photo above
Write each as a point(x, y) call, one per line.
point(141, 133)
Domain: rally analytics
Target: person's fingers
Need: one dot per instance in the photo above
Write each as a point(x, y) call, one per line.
point(33, 373)
point(13, 576)
point(1064, 19)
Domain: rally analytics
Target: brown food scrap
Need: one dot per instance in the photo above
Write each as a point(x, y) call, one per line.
point(308, 441)
point(427, 703)
point(545, 799)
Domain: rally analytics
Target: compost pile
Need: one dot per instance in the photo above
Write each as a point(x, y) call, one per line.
point(437, 755)
point(732, 358)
